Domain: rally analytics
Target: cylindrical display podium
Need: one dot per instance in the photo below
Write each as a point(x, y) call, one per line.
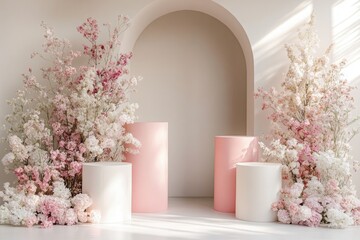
point(230, 150)
point(258, 186)
point(150, 167)
point(109, 186)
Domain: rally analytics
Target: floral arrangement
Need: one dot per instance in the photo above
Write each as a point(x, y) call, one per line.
point(76, 115)
point(310, 134)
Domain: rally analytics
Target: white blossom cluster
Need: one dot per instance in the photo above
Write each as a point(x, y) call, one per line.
point(21, 208)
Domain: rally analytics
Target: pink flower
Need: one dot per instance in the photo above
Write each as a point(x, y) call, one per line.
point(62, 156)
point(293, 209)
point(46, 224)
point(356, 216)
point(283, 216)
point(62, 144)
point(89, 29)
point(81, 202)
point(82, 216)
point(30, 221)
point(49, 207)
point(313, 221)
point(332, 186)
point(21, 175)
point(30, 187)
point(76, 137)
point(71, 145)
point(58, 130)
point(275, 206)
point(70, 217)
point(296, 189)
point(54, 154)
point(82, 148)
point(19, 171)
point(314, 204)
point(75, 168)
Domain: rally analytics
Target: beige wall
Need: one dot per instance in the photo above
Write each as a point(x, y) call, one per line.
point(195, 79)
point(268, 24)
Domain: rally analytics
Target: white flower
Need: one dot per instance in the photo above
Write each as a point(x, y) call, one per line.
point(35, 130)
point(338, 219)
point(295, 171)
point(82, 216)
point(4, 214)
point(18, 207)
point(108, 143)
point(8, 159)
point(305, 213)
point(87, 84)
point(133, 81)
point(332, 167)
point(293, 165)
point(39, 157)
point(17, 147)
point(314, 188)
point(60, 190)
point(81, 202)
point(296, 189)
point(92, 144)
point(70, 217)
point(297, 100)
point(284, 216)
point(94, 216)
point(292, 155)
point(31, 202)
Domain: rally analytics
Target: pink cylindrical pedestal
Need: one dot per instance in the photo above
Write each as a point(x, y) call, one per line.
point(230, 150)
point(149, 167)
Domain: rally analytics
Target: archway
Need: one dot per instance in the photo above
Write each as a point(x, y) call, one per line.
point(145, 19)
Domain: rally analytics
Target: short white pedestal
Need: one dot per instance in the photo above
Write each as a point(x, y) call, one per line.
point(109, 186)
point(258, 185)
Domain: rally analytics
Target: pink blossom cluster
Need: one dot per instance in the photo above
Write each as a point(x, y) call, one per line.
point(75, 114)
point(310, 134)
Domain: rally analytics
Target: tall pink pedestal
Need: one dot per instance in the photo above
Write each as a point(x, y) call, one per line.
point(230, 150)
point(149, 167)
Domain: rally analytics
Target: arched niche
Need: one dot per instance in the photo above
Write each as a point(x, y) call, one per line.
point(162, 7)
point(191, 171)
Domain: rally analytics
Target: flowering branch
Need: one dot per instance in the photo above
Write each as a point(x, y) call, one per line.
point(76, 115)
point(310, 118)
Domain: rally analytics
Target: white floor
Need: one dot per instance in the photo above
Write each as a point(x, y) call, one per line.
point(187, 218)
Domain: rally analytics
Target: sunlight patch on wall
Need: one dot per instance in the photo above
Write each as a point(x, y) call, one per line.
point(346, 36)
point(271, 46)
point(276, 37)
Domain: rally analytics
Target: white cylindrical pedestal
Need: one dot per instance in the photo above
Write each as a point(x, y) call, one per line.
point(109, 186)
point(258, 185)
